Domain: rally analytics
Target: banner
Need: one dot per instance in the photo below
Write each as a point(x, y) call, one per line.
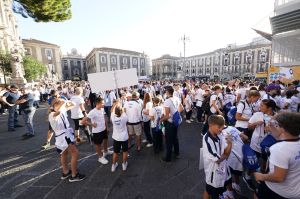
point(284, 74)
point(111, 80)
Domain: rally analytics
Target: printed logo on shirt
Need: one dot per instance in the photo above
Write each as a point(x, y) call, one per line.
point(298, 156)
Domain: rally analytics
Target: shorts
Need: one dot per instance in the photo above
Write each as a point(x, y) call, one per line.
point(119, 144)
point(134, 129)
point(264, 192)
point(235, 172)
point(68, 141)
point(214, 192)
point(76, 122)
point(99, 137)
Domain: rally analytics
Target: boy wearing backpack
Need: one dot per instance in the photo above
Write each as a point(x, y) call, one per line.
point(215, 154)
point(172, 107)
point(155, 115)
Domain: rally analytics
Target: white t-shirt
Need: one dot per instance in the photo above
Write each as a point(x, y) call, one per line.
point(293, 103)
point(235, 159)
point(188, 103)
point(157, 113)
point(246, 110)
point(97, 116)
point(134, 111)
point(286, 155)
point(242, 92)
point(76, 112)
point(229, 98)
point(36, 95)
point(59, 123)
point(214, 97)
point(120, 132)
point(148, 107)
point(259, 132)
point(177, 94)
point(199, 97)
point(172, 103)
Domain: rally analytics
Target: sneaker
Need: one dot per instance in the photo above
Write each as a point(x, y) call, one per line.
point(236, 188)
point(65, 176)
point(149, 145)
point(188, 121)
point(46, 145)
point(144, 141)
point(249, 183)
point(77, 178)
point(114, 167)
point(18, 126)
point(109, 152)
point(191, 120)
point(103, 160)
point(228, 195)
point(124, 166)
point(164, 160)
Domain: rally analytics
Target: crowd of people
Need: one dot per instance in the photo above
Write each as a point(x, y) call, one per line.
point(250, 129)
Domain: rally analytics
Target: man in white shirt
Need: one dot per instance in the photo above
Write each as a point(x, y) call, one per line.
point(199, 100)
point(241, 92)
point(109, 98)
point(171, 105)
point(133, 109)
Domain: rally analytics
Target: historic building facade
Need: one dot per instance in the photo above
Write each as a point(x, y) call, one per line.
point(243, 61)
point(109, 59)
point(74, 66)
point(48, 54)
point(9, 36)
point(165, 67)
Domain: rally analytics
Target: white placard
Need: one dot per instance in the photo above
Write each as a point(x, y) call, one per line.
point(102, 81)
point(286, 73)
point(126, 78)
point(113, 79)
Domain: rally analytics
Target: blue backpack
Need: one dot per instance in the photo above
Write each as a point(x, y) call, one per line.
point(157, 128)
point(232, 113)
point(176, 117)
point(266, 143)
point(250, 160)
point(228, 106)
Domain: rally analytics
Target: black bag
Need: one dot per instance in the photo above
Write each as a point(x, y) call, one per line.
point(206, 105)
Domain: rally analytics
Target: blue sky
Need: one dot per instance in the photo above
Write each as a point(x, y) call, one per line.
point(153, 26)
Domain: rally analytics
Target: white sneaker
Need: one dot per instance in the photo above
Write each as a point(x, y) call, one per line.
point(124, 166)
point(103, 160)
point(188, 121)
point(228, 195)
point(114, 167)
point(191, 120)
point(149, 145)
point(109, 152)
point(237, 188)
point(144, 141)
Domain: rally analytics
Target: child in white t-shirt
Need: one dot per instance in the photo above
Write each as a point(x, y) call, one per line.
point(188, 107)
point(235, 159)
point(155, 115)
point(120, 136)
point(99, 129)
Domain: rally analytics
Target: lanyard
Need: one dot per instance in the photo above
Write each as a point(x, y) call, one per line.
point(63, 120)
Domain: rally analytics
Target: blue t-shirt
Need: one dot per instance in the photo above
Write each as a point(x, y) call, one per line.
point(11, 97)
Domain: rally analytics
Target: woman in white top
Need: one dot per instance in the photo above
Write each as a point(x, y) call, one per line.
point(64, 139)
point(120, 136)
point(78, 112)
point(188, 106)
point(283, 178)
point(259, 122)
point(155, 115)
point(147, 105)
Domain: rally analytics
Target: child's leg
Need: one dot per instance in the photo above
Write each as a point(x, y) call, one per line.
point(205, 195)
point(115, 158)
point(125, 155)
point(105, 145)
point(64, 161)
point(74, 157)
point(98, 150)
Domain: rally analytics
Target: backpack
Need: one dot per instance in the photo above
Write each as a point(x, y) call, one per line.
point(176, 117)
point(266, 143)
point(250, 160)
point(228, 106)
point(232, 113)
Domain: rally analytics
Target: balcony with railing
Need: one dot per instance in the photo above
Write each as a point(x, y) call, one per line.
point(285, 6)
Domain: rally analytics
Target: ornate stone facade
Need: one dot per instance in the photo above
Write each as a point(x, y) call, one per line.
point(10, 42)
point(74, 66)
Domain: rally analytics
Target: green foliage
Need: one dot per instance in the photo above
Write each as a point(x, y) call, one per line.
point(5, 58)
point(33, 68)
point(46, 10)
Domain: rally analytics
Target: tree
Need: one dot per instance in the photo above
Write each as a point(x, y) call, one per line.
point(33, 68)
point(5, 58)
point(44, 10)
